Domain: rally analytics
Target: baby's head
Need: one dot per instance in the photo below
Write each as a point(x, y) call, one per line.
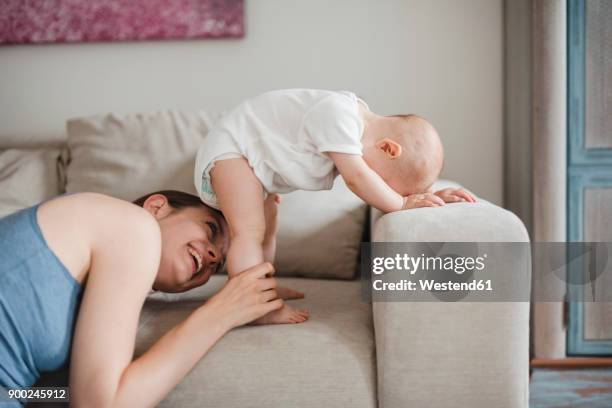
point(406, 151)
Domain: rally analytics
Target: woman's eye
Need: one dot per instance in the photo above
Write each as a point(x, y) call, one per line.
point(213, 228)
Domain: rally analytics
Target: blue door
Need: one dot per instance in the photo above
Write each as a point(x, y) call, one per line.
point(590, 159)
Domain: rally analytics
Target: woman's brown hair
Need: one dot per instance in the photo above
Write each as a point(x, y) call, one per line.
point(178, 200)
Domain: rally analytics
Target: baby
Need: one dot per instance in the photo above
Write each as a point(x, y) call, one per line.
point(293, 139)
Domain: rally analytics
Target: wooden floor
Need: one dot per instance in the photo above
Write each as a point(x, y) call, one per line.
point(575, 388)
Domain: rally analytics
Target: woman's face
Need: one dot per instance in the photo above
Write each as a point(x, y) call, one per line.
point(194, 244)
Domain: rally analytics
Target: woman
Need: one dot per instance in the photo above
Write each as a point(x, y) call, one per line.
point(75, 272)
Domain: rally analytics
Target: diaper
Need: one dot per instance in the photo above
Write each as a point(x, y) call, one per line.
point(206, 191)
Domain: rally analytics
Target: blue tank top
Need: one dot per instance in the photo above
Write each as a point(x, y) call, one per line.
point(39, 301)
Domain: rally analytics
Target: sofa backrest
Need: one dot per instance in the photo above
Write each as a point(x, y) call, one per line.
point(126, 156)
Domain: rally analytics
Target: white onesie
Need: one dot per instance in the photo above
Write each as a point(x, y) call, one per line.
point(283, 135)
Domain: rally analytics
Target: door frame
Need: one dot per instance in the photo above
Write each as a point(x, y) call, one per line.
point(587, 167)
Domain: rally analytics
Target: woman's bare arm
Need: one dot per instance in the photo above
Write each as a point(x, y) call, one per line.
point(125, 247)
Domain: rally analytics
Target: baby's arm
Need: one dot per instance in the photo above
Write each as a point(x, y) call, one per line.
point(372, 189)
point(366, 183)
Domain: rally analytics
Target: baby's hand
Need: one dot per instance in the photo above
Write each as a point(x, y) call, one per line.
point(455, 195)
point(422, 200)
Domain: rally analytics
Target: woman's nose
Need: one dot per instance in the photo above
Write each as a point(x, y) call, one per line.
point(212, 253)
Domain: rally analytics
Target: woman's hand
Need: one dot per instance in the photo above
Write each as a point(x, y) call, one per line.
point(246, 297)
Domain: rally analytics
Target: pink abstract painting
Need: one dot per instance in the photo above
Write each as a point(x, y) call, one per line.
point(59, 21)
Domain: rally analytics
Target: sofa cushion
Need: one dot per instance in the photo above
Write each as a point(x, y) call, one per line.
point(132, 155)
point(327, 361)
point(129, 156)
point(27, 177)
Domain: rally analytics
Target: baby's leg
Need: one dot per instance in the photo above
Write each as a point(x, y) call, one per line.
point(240, 196)
point(269, 244)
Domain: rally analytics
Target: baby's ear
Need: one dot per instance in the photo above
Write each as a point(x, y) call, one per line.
point(390, 147)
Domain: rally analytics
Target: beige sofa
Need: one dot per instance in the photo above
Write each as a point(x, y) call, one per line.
point(350, 353)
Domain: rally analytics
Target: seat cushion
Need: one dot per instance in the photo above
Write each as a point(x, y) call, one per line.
point(326, 362)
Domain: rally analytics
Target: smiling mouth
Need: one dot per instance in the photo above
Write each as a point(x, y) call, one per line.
point(197, 259)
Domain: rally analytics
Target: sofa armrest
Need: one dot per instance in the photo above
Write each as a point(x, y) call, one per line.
point(463, 354)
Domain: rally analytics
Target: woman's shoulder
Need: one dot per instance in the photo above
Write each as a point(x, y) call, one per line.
point(95, 209)
point(99, 212)
point(76, 225)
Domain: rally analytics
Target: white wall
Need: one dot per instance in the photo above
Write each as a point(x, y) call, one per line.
point(439, 58)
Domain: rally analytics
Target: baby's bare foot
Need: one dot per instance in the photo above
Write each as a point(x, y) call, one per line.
point(284, 315)
point(287, 293)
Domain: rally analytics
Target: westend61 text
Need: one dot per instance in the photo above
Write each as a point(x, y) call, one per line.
point(432, 285)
